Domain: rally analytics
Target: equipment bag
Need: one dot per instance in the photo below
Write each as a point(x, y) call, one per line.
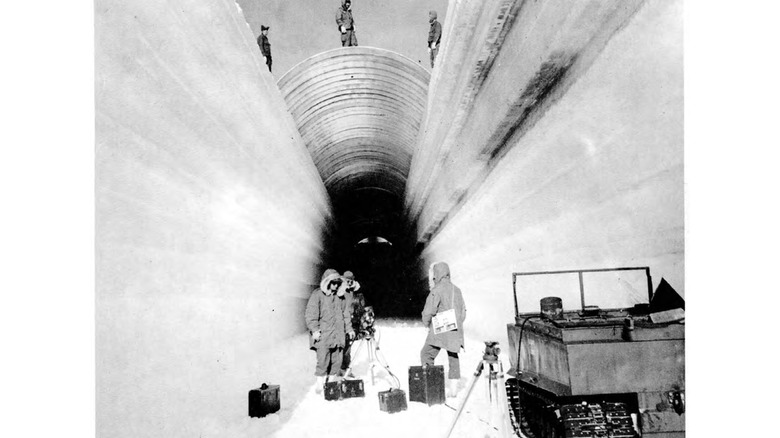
point(426, 384)
point(332, 390)
point(392, 401)
point(347, 388)
point(351, 388)
point(263, 400)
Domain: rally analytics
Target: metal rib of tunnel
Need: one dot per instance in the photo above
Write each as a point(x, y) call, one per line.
point(359, 110)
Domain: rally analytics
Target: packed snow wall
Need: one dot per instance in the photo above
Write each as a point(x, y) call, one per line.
point(553, 140)
point(208, 218)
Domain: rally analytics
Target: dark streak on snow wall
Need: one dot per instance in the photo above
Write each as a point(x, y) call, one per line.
point(535, 99)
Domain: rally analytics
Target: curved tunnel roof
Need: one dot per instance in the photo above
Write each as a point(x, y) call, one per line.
point(359, 110)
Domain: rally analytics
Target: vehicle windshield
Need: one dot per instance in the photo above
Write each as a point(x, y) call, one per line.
point(606, 289)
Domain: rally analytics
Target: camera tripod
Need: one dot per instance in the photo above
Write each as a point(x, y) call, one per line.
point(373, 354)
point(496, 389)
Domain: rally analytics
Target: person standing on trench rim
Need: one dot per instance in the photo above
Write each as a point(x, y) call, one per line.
point(265, 46)
point(434, 36)
point(346, 24)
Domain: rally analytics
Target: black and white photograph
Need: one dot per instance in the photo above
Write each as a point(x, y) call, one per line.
point(255, 158)
point(293, 207)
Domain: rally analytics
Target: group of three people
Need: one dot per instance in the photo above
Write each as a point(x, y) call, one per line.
point(346, 25)
point(330, 319)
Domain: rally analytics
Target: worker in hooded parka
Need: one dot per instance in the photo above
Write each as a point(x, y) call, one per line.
point(328, 321)
point(444, 296)
point(349, 292)
point(346, 24)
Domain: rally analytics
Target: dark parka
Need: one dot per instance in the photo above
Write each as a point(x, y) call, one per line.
point(444, 296)
point(344, 17)
point(350, 296)
point(434, 33)
point(265, 46)
point(265, 49)
point(327, 313)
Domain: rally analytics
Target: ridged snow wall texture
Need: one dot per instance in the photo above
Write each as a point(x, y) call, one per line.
point(554, 144)
point(209, 212)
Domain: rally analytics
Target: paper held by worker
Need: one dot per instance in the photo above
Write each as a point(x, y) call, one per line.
point(444, 322)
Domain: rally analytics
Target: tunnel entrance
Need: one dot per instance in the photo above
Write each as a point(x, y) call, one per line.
point(371, 237)
point(359, 111)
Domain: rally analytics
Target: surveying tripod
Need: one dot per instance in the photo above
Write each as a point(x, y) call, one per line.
point(496, 388)
point(372, 354)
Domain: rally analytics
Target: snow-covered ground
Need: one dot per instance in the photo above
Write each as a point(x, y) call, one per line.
point(399, 344)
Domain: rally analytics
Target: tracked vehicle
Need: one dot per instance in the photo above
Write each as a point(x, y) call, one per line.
point(592, 372)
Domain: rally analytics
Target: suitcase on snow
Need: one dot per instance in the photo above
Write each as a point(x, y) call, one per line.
point(263, 400)
point(426, 384)
point(332, 391)
point(392, 400)
point(344, 389)
point(351, 388)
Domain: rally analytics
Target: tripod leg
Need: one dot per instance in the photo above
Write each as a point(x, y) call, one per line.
point(504, 425)
point(500, 405)
point(382, 364)
point(375, 361)
point(494, 412)
point(354, 349)
point(465, 399)
point(371, 360)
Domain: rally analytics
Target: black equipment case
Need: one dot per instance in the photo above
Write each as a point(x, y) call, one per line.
point(263, 400)
point(392, 400)
point(332, 390)
point(351, 388)
point(344, 389)
point(426, 384)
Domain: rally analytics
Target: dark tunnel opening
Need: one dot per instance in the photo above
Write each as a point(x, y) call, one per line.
point(359, 112)
point(371, 235)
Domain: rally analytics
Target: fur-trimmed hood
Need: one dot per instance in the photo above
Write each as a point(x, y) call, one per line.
point(348, 277)
point(328, 276)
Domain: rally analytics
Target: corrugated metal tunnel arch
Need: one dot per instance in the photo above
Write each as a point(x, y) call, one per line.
point(358, 110)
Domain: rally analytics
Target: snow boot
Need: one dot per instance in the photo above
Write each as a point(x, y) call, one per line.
point(453, 388)
point(319, 385)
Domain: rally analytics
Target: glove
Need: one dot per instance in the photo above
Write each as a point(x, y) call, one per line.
point(265, 60)
point(433, 45)
point(351, 335)
point(343, 29)
point(316, 335)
